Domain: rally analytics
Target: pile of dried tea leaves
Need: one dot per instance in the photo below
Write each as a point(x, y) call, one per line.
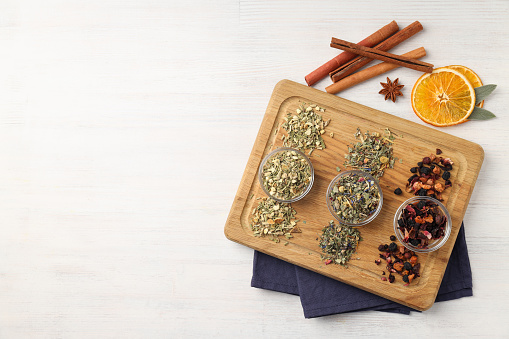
point(274, 219)
point(338, 243)
point(354, 197)
point(305, 129)
point(373, 152)
point(286, 174)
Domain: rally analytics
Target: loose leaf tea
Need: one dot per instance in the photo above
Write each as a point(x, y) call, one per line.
point(426, 180)
point(354, 197)
point(338, 243)
point(274, 219)
point(372, 153)
point(399, 260)
point(305, 129)
point(422, 221)
point(286, 175)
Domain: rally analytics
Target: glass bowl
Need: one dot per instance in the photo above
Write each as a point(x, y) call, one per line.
point(434, 244)
point(372, 215)
point(298, 153)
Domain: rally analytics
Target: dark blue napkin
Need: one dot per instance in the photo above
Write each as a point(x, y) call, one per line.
point(321, 296)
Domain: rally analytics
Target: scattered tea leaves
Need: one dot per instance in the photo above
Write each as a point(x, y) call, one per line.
point(305, 129)
point(338, 243)
point(373, 153)
point(274, 219)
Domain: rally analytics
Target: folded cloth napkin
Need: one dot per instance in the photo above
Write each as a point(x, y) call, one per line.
point(321, 296)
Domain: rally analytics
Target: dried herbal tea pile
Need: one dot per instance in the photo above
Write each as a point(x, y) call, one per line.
point(354, 197)
point(286, 175)
point(372, 153)
point(426, 180)
point(274, 219)
point(305, 129)
point(338, 243)
point(399, 260)
point(422, 221)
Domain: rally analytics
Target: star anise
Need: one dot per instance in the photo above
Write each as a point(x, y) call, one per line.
point(391, 90)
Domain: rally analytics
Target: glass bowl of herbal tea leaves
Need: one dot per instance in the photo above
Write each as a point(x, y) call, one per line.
point(286, 175)
point(354, 198)
point(422, 224)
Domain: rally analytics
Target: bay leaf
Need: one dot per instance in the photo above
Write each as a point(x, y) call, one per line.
point(483, 91)
point(481, 114)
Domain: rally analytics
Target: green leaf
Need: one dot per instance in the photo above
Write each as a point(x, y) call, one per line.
point(482, 92)
point(481, 114)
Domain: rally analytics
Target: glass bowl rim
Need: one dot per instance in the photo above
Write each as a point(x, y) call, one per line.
point(268, 156)
point(372, 216)
point(439, 242)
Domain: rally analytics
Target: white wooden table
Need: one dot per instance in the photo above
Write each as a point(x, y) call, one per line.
point(125, 127)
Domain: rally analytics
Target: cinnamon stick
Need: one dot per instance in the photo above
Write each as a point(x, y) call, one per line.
point(371, 72)
point(386, 45)
point(372, 40)
point(381, 55)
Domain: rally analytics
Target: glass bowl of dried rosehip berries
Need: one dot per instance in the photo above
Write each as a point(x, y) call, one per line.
point(422, 224)
point(354, 198)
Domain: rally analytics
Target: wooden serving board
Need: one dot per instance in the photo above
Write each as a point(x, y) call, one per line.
point(416, 142)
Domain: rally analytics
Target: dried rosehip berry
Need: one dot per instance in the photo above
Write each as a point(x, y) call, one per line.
point(381, 248)
point(426, 160)
point(392, 237)
point(414, 169)
point(446, 175)
point(439, 151)
point(386, 247)
point(425, 170)
point(422, 192)
point(407, 266)
point(405, 278)
point(393, 247)
point(398, 191)
point(412, 178)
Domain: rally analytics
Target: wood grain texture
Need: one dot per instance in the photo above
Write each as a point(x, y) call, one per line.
point(414, 143)
point(125, 128)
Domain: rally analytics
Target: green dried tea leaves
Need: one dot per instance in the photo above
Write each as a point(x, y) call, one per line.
point(305, 129)
point(338, 243)
point(286, 175)
point(373, 152)
point(274, 219)
point(354, 197)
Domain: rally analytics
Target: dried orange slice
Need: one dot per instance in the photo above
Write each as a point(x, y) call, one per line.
point(444, 97)
point(471, 76)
